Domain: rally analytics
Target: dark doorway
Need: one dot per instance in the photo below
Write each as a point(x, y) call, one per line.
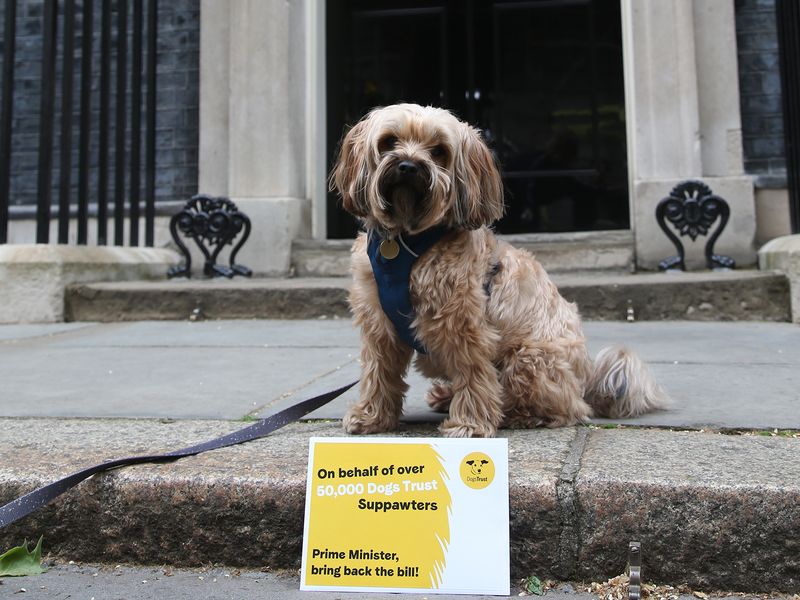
point(543, 79)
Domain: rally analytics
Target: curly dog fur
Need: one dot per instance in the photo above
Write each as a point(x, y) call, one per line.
point(515, 357)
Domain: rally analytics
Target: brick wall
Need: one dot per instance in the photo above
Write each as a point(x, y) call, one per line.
point(177, 100)
point(760, 87)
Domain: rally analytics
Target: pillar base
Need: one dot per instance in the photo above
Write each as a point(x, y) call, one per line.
point(33, 277)
point(736, 241)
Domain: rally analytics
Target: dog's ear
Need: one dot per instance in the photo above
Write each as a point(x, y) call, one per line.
point(484, 462)
point(470, 462)
point(478, 186)
point(350, 171)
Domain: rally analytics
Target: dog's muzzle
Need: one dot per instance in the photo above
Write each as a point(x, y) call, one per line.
point(405, 182)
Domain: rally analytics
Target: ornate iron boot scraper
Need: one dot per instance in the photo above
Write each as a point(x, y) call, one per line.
point(692, 208)
point(212, 222)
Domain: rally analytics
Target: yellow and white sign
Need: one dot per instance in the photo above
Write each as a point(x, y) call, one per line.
point(407, 515)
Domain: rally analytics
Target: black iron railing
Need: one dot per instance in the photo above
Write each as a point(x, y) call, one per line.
point(788, 19)
point(9, 47)
point(134, 75)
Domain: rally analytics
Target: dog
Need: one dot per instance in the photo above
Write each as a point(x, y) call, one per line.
point(476, 466)
point(502, 346)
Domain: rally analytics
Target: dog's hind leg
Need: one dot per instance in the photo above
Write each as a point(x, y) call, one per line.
point(441, 392)
point(439, 396)
point(543, 384)
point(465, 351)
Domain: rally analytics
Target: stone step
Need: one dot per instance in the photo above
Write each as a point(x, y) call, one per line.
point(558, 252)
point(706, 296)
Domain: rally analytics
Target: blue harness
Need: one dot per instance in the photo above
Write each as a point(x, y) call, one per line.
point(391, 265)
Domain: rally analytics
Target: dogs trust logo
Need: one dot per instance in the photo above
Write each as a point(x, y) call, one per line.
point(477, 470)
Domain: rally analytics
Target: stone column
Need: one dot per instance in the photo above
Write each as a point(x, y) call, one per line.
point(252, 129)
point(682, 99)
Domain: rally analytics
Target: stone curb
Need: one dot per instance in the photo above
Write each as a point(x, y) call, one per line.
point(738, 295)
point(711, 510)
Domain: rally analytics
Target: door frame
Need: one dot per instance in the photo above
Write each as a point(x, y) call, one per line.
point(316, 120)
point(316, 111)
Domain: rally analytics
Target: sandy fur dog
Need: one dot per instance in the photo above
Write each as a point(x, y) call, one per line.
point(503, 348)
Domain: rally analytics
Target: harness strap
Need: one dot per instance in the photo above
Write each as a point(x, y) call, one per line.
point(392, 271)
point(25, 505)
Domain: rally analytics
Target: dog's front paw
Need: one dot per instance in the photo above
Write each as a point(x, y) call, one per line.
point(359, 421)
point(451, 428)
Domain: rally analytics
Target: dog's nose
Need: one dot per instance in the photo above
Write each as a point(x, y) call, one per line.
point(408, 167)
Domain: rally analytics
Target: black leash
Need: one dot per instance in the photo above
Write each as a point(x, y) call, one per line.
point(25, 505)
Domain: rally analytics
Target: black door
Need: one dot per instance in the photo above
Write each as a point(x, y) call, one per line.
point(542, 79)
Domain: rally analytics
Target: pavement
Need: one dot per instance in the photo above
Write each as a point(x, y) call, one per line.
point(710, 487)
point(118, 582)
point(148, 583)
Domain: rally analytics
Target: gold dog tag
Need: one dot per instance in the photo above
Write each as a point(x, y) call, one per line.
point(389, 249)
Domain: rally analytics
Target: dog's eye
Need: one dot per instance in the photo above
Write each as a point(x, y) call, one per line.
point(387, 143)
point(438, 151)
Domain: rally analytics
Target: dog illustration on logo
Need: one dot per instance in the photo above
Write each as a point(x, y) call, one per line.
point(476, 466)
point(477, 470)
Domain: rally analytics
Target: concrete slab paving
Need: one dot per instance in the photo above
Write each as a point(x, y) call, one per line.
point(214, 370)
point(185, 383)
point(722, 375)
point(317, 333)
point(16, 333)
point(719, 375)
point(747, 342)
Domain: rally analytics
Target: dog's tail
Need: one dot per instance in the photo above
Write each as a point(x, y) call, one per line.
point(621, 385)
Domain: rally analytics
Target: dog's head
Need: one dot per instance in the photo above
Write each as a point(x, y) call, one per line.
point(406, 168)
point(476, 466)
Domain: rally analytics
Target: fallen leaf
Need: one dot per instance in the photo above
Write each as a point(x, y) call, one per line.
point(19, 562)
point(533, 585)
